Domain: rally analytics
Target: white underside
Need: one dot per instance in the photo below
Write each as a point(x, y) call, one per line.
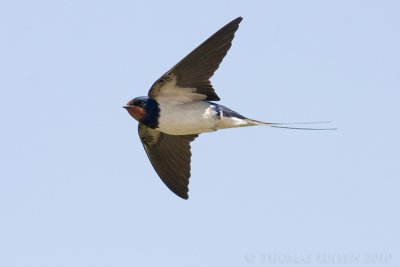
point(183, 112)
point(193, 118)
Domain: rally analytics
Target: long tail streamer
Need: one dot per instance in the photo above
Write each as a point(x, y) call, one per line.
point(283, 126)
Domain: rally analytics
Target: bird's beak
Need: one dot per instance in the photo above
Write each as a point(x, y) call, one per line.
point(127, 106)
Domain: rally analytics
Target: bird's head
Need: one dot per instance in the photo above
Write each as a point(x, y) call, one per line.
point(136, 108)
point(144, 110)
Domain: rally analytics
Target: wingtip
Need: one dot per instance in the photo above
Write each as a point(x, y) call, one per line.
point(184, 196)
point(237, 20)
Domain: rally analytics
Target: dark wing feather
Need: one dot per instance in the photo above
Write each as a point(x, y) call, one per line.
point(196, 69)
point(170, 157)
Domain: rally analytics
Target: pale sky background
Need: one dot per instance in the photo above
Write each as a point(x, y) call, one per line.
point(76, 187)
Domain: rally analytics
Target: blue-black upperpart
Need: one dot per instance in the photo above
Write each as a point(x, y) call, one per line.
point(226, 112)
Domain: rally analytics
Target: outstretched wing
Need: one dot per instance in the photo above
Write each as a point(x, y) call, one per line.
point(189, 80)
point(170, 157)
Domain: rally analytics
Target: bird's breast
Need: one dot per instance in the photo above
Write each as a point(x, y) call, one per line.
point(187, 118)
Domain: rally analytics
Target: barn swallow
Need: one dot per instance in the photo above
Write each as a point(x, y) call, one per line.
point(179, 107)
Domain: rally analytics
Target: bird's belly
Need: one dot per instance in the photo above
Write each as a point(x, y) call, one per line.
point(188, 118)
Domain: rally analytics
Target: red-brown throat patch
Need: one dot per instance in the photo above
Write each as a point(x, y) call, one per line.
point(137, 113)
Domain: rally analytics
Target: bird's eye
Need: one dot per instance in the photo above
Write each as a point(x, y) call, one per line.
point(138, 104)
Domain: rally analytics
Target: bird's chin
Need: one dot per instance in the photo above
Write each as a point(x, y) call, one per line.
point(137, 113)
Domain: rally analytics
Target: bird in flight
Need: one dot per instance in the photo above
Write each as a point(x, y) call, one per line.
point(179, 107)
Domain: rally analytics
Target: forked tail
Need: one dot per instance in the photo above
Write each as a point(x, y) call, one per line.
point(283, 125)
